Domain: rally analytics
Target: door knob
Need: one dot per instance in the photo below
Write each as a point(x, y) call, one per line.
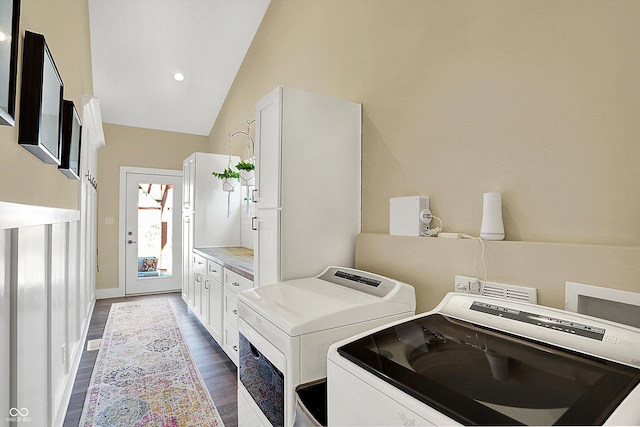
point(131, 241)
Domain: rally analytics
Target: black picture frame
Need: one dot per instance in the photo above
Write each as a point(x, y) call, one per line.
point(41, 96)
point(9, 36)
point(71, 140)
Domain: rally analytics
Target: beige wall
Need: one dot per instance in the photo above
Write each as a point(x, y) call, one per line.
point(65, 25)
point(130, 146)
point(536, 99)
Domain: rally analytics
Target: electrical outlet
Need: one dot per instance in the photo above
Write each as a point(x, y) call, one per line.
point(467, 285)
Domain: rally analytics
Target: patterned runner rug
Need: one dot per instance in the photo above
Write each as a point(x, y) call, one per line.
point(144, 374)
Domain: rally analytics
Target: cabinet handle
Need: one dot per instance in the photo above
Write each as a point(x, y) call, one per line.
point(253, 196)
point(198, 277)
point(253, 226)
point(206, 284)
point(235, 348)
point(235, 312)
point(235, 283)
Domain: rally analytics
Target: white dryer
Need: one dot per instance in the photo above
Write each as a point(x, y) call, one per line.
point(285, 330)
point(479, 360)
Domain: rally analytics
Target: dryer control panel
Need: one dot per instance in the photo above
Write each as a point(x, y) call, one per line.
point(574, 331)
point(362, 281)
point(555, 323)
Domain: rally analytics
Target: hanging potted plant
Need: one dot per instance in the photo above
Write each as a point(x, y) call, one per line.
point(247, 172)
point(229, 178)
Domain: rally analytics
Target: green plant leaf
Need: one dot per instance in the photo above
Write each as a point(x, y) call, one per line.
point(247, 166)
point(227, 173)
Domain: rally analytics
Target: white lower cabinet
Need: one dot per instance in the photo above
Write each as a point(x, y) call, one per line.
point(214, 310)
point(215, 301)
point(231, 307)
point(231, 342)
point(233, 283)
point(199, 273)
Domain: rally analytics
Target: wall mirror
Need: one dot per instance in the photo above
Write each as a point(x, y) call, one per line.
point(71, 139)
point(9, 31)
point(40, 101)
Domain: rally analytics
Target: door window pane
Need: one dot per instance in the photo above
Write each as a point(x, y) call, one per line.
point(155, 228)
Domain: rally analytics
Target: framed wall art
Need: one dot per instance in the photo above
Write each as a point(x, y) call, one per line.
point(40, 127)
point(9, 34)
point(71, 139)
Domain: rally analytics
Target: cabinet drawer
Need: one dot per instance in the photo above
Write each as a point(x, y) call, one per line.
point(231, 307)
point(214, 270)
point(236, 282)
point(231, 342)
point(199, 262)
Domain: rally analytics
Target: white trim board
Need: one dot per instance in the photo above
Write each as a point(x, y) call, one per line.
point(15, 215)
point(109, 293)
point(73, 372)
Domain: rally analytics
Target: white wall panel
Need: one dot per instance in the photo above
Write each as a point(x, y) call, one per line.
point(5, 314)
point(73, 311)
point(58, 311)
point(45, 307)
point(31, 349)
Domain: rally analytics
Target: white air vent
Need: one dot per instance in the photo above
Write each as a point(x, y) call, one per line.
point(93, 344)
point(511, 292)
point(472, 285)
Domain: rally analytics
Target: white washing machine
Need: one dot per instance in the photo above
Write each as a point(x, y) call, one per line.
point(285, 330)
point(480, 360)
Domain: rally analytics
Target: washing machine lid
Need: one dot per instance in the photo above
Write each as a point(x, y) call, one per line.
point(478, 375)
point(313, 304)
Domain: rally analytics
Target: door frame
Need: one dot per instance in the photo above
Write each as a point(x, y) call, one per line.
point(124, 170)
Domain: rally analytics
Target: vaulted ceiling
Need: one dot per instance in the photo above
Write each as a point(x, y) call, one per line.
point(137, 47)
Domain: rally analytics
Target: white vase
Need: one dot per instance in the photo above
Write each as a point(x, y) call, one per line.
point(229, 184)
point(247, 177)
point(492, 227)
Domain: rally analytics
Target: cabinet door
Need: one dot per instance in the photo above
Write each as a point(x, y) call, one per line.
point(197, 301)
point(188, 171)
point(215, 309)
point(204, 300)
point(268, 136)
point(230, 345)
point(267, 253)
point(187, 270)
point(231, 307)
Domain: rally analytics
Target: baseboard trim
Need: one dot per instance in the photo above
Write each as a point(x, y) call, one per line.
point(73, 372)
point(109, 293)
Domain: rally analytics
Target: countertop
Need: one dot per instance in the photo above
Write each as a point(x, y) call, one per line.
point(236, 258)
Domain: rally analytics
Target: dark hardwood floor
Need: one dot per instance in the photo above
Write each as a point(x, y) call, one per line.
point(217, 370)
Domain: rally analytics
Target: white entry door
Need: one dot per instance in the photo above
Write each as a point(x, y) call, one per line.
point(153, 232)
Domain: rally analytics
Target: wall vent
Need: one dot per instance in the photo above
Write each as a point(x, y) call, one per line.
point(511, 292)
point(472, 285)
point(93, 344)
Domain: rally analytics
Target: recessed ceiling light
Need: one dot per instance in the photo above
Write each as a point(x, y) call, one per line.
point(178, 77)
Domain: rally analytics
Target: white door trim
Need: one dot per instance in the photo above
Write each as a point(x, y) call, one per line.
point(122, 212)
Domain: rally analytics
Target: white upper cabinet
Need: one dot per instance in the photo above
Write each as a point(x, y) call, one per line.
point(188, 170)
point(308, 157)
point(215, 214)
point(268, 137)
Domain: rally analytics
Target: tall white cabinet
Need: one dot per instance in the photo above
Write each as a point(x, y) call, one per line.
point(308, 184)
point(210, 216)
